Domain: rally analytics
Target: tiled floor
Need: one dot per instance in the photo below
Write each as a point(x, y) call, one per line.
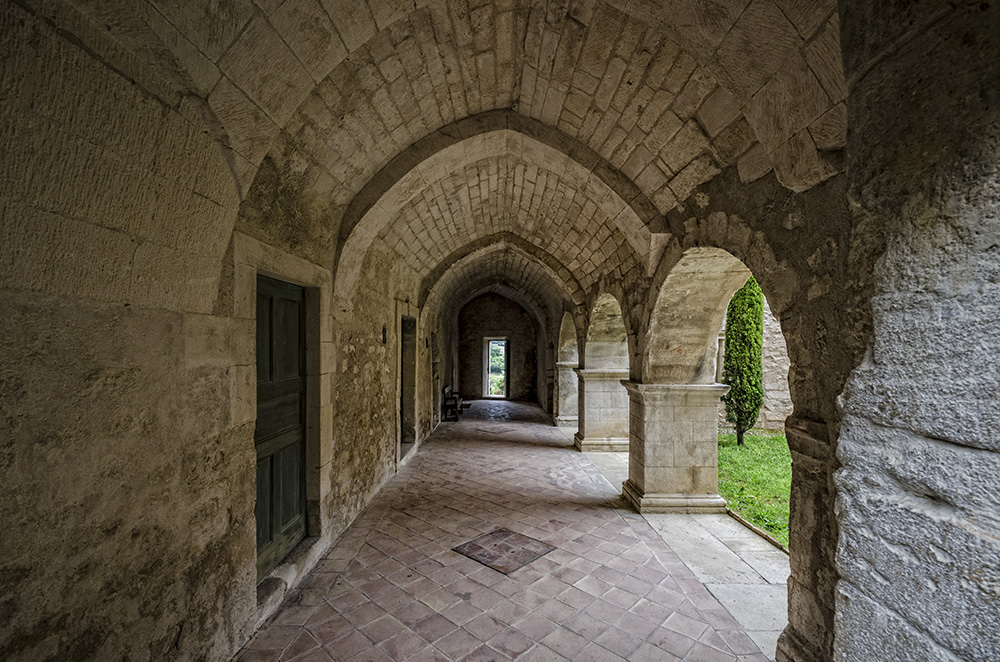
point(393, 589)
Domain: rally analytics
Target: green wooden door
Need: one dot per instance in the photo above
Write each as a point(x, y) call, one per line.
point(280, 435)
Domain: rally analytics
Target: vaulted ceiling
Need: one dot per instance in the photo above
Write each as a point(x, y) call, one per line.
point(370, 111)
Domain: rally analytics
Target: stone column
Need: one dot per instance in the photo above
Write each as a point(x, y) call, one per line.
point(567, 402)
point(603, 407)
point(673, 462)
point(918, 489)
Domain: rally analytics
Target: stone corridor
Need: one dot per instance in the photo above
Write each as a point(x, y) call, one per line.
point(392, 588)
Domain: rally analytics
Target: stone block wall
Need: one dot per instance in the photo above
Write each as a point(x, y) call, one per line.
point(128, 467)
point(494, 315)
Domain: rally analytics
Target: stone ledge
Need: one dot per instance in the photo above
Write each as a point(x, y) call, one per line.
point(695, 394)
point(600, 444)
point(672, 503)
point(598, 374)
point(567, 421)
point(274, 588)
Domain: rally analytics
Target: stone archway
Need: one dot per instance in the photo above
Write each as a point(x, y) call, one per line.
point(567, 386)
point(673, 430)
point(603, 405)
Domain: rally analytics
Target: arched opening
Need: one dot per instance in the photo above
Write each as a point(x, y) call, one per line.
point(675, 424)
point(777, 406)
point(490, 324)
point(567, 384)
point(602, 401)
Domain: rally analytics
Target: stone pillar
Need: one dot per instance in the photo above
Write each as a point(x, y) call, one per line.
point(567, 402)
point(673, 462)
point(918, 491)
point(603, 406)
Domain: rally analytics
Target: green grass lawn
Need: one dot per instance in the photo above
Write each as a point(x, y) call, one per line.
point(756, 479)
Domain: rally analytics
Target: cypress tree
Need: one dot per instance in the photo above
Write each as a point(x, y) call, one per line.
point(741, 368)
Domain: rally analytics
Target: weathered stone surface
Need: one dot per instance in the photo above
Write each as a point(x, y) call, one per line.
point(756, 47)
point(130, 133)
point(830, 130)
point(799, 165)
point(789, 102)
point(919, 444)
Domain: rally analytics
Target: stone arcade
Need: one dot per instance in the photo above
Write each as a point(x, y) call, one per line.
point(396, 161)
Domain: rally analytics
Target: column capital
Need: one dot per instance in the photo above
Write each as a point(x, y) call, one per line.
point(693, 394)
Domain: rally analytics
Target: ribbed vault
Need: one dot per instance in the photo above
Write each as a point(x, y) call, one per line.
point(668, 92)
point(504, 268)
point(500, 182)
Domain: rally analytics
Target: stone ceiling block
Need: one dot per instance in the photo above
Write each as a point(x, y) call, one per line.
point(733, 142)
point(756, 47)
point(754, 164)
point(719, 109)
point(807, 15)
point(354, 21)
point(687, 144)
point(788, 103)
point(824, 57)
point(695, 91)
point(695, 174)
point(703, 24)
point(267, 71)
point(249, 129)
point(211, 27)
point(308, 31)
point(799, 166)
point(830, 130)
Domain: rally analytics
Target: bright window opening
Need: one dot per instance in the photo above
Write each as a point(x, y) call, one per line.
point(495, 368)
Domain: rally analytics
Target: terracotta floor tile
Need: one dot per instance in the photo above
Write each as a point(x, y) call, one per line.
point(672, 642)
point(586, 626)
point(511, 642)
point(331, 629)
point(457, 644)
point(349, 645)
point(484, 627)
point(382, 628)
point(403, 645)
point(393, 589)
point(595, 653)
point(317, 655)
point(274, 637)
point(412, 612)
point(434, 627)
point(619, 642)
point(485, 654)
point(303, 643)
point(565, 642)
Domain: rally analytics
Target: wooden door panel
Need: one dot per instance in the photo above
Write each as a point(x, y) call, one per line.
point(262, 509)
point(277, 415)
point(279, 435)
point(289, 467)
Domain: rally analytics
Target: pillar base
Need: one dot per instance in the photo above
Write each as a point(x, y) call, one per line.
point(600, 444)
point(672, 503)
point(566, 421)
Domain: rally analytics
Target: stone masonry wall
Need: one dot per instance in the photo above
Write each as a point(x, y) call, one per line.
point(128, 528)
point(494, 315)
point(918, 498)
